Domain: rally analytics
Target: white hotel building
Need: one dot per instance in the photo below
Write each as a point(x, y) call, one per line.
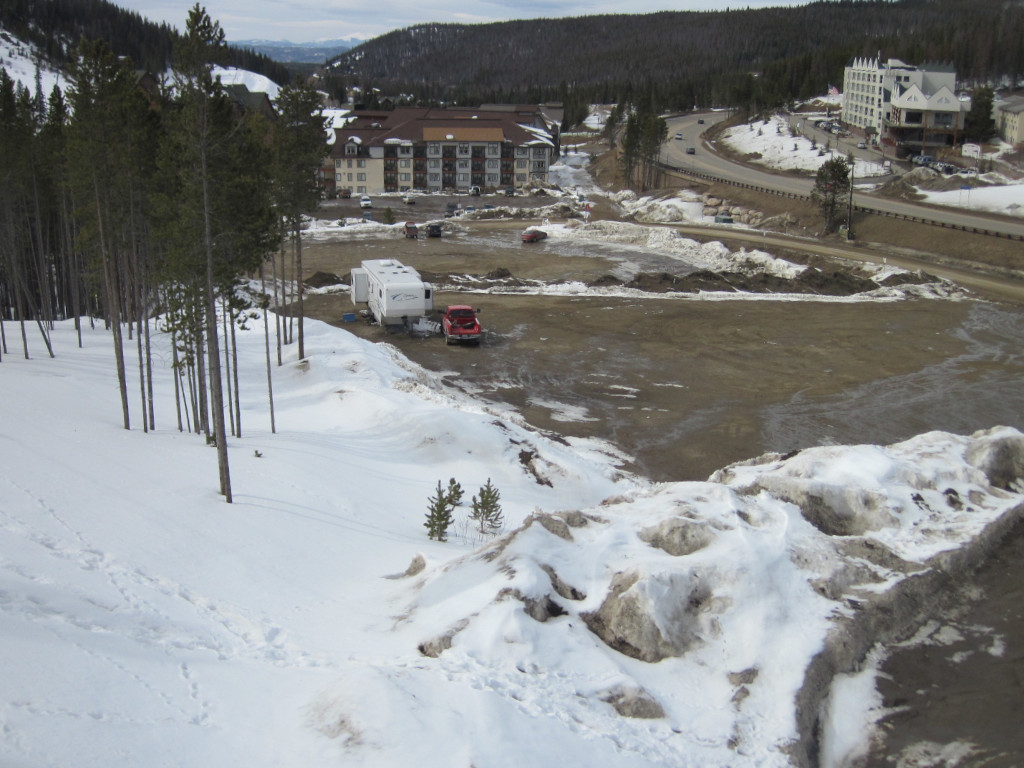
point(913, 109)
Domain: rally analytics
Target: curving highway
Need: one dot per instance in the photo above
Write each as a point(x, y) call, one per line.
point(706, 160)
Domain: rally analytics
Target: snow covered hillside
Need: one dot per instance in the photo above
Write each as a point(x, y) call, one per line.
point(615, 623)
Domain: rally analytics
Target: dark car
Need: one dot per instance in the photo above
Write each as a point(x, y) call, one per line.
point(510, 191)
point(434, 229)
point(533, 235)
point(410, 229)
point(700, 121)
point(691, 151)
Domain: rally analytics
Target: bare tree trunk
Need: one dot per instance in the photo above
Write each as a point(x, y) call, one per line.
point(299, 283)
point(142, 371)
point(270, 381)
point(216, 383)
point(265, 307)
point(177, 374)
point(234, 373)
point(113, 307)
point(277, 313)
point(149, 379)
point(227, 366)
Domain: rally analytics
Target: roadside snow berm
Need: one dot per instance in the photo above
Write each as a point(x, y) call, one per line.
point(721, 609)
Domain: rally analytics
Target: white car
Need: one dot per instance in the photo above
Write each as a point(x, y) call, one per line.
point(365, 202)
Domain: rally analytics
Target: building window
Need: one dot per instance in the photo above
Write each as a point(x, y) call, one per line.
point(463, 177)
point(521, 163)
point(360, 163)
point(351, 149)
point(360, 177)
point(433, 150)
point(435, 163)
point(404, 176)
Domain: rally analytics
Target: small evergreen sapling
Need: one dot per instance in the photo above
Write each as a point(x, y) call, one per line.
point(439, 514)
point(486, 509)
point(455, 493)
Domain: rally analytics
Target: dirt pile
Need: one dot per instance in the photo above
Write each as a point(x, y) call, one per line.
point(809, 281)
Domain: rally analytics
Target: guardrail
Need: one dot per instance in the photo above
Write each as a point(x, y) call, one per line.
point(858, 208)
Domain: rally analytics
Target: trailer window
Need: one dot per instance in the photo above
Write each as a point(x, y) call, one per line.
point(426, 294)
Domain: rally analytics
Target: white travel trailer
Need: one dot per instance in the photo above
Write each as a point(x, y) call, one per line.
point(394, 293)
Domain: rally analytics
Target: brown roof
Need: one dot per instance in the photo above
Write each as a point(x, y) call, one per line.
point(462, 133)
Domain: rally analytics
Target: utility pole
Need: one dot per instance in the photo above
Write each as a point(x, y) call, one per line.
point(849, 208)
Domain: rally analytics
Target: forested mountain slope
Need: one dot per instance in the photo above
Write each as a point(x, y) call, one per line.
point(685, 58)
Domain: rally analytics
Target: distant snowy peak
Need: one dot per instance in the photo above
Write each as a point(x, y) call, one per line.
point(286, 51)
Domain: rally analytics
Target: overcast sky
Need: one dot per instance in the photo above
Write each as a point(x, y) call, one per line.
point(309, 20)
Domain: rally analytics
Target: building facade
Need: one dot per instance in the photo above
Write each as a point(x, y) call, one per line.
point(442, 149)
point(1009, 117)
point(913, 109)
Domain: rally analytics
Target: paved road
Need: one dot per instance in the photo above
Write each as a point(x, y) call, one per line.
point(707, 161)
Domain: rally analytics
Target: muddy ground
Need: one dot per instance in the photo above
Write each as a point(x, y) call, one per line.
point(685, 387)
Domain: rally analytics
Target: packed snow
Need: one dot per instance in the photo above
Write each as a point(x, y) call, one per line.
point(614, 622)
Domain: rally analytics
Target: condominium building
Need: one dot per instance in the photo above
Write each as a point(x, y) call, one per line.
point(913, 109)
point(442, 149)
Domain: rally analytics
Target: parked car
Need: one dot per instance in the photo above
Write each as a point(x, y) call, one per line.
point(861, 145)
point(344, 193)
point(474, 190)
point(510, 191)
point(434, 229)
point(365, 202)
point(691, 151)
point(679, 137)
point(452, 209)
point(410, 229)
point(533, 235)
point(408, 199)
point(470, 208)
point(700, 121)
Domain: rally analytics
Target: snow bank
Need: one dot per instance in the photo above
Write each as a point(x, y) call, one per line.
point(674, 625)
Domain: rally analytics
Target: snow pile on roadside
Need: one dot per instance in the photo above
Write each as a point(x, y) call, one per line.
point(684, 206)
point(714, 256)
point(671, 625)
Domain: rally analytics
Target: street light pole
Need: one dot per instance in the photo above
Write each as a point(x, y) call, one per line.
point(849, 209)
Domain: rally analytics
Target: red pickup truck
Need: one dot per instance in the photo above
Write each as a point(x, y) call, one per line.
point(459, 324)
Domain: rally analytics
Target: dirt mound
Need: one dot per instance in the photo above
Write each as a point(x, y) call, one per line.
point(322, 280)
point(810, 281)
point(909, 278)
